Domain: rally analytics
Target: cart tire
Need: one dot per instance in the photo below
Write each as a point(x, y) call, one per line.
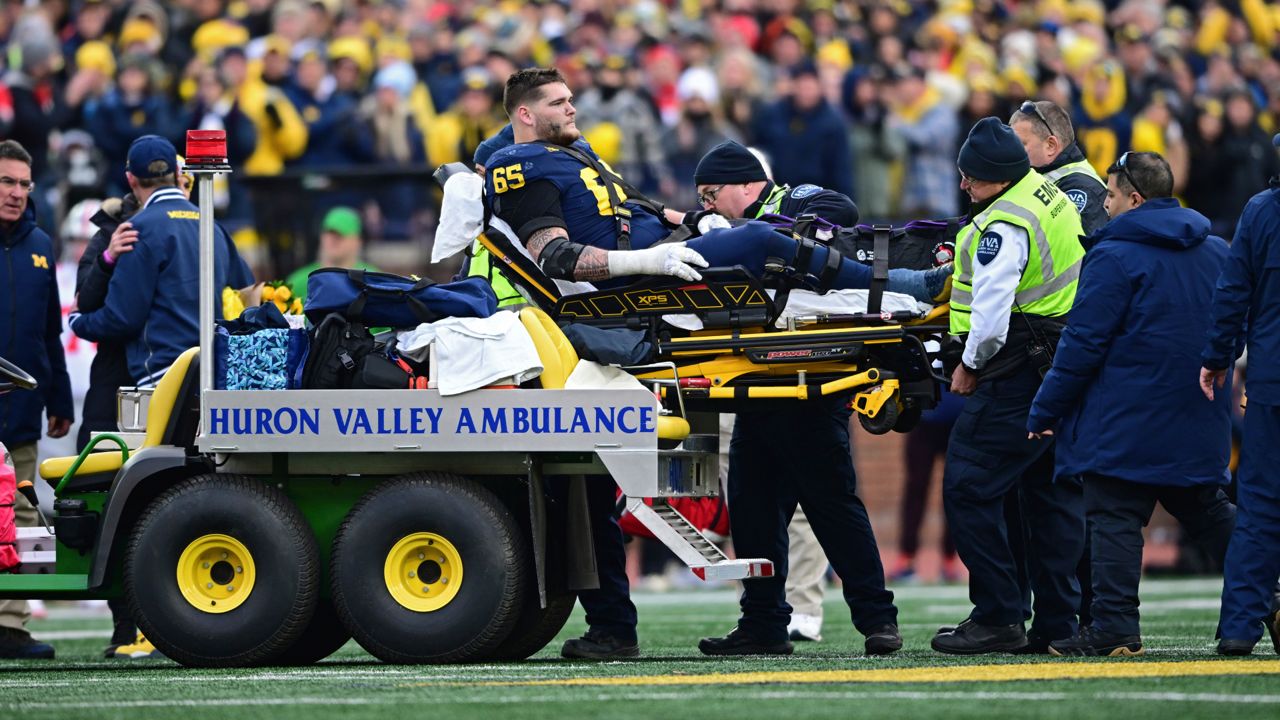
point(536, 625)
point(324, 636)
point(222, 571)
point(429, 568)
point(883, 421)
point(908, 419)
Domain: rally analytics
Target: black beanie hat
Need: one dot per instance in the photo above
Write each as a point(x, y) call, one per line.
point(730, 163)
point(993, 153)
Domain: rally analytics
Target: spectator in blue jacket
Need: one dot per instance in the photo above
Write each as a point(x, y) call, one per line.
point(805, 138)
point(153, 300)
point(1247, 305)
point(133, 109)
point(1119, 396)
point(30, 325)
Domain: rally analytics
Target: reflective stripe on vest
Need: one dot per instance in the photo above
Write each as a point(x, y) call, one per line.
point(1037, 206)
point(773, 203)
point(1080, 167)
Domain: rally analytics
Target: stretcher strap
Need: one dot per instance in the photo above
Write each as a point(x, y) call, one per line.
point(879, 266)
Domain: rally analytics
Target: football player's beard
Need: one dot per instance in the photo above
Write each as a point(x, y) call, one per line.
point(558, 133)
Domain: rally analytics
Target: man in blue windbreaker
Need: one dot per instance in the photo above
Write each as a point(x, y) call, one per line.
point(30, 330)
point(1247, 304)
point(153, 300)
point(1119, 398)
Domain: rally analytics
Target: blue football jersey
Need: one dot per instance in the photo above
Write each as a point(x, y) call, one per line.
point(584, 200)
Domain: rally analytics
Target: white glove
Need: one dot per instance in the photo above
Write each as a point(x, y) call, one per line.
point(712, 221)
point(667, 259)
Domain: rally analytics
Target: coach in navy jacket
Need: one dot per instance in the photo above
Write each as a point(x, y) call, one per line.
point(1122, 398)
point(154, 295)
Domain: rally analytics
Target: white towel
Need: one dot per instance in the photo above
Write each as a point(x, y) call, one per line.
point(474, 352)
point(836, 302)
point(461, 215)
point(589, 375)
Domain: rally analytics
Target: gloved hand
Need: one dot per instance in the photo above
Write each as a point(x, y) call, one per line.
point(669, 259)
point(703, 220)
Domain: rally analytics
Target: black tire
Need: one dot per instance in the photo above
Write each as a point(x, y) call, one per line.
point(883, 421)
point(908, 419)
point(324, 636)
point(536, 626)
point(485, 540)
point(283, 561)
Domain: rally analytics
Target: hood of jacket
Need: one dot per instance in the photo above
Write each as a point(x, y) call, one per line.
point(19, 230)
point(1162, 222)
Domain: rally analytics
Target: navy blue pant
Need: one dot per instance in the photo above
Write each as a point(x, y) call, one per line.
point(989, 456)
point(1117, 511)
point(1253, 557)
point(609, 609)
point(750, 245)
point(779, 459)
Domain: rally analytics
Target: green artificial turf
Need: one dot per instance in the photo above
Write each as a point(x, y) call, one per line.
point(1178, 620)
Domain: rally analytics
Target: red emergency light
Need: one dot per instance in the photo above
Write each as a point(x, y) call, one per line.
point(207, 150)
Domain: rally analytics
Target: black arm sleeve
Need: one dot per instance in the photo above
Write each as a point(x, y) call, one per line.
point(534, 207)
point(92, 277)
point(833, 207)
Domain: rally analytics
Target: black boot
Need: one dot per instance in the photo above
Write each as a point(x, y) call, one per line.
point(740, 643)
point(599, 645)
point(970, 638)
point(884, 640)
point(1093, 642)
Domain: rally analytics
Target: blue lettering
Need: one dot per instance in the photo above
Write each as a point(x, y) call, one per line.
point(291, 416)
point(310, 421)
point(647, 422)
point(545, 425)
point(415, 420)
point(519, 420)
point(382, 427)
point(400, 429)
point(495, 421)
point(218, 421)
point(343, 420)
point(240, 421)
point(622, 423)
point(560, 428)
point(580, 421)
point(434, 415)
point(465, 420)
point(264, 422)
point(362, 421)
point(604, 418)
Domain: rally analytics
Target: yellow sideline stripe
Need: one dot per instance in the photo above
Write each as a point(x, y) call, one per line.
point(961, 673)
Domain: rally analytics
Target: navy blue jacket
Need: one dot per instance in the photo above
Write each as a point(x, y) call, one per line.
point(807, 146)
point(154, 294)
point(30, 325)
point(1122, 395)
point(1249, 291)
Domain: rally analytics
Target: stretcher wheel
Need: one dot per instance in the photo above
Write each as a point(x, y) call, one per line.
point(908, 419)
point(883, 421)
point(536, 625)
point(429, 568)
point(324, 636)
point(222, 571)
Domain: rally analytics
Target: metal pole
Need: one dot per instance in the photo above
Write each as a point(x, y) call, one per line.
point(207, 297)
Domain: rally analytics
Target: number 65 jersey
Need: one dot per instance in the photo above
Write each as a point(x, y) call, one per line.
point(536, 185)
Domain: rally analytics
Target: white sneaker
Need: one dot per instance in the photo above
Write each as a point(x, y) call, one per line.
point(805, 627)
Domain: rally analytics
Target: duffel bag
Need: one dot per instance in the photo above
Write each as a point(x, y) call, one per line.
point(918, 245)
point(380, 299)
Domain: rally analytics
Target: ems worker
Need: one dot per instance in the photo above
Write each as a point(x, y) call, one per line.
point(1016, 267)
point(1132, 341)
point(1046, 133)
point(481, 262)
point(780, 458)
point(1246, 305)
point(153, 298)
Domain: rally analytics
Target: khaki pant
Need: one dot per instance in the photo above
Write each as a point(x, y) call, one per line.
point(807, 568)
point(14, 614)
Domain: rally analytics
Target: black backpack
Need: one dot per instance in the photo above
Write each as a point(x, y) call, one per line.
point(338, 346)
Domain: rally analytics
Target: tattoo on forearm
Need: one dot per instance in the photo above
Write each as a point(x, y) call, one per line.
point(541, 238)
point(593, 264)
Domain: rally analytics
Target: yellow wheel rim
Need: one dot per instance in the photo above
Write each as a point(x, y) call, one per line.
point(216, 573)
point(423, 572)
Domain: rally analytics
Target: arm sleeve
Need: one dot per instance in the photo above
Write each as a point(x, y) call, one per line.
point(534, 207)
point(57, 396)
point(994, 285)
point(133, 286)
point(1099, 310)
point(92, 276)
point(1231, 297)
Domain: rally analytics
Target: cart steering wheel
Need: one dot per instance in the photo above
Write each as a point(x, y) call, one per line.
point(12, 376)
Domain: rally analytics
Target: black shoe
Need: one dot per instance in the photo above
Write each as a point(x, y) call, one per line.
point(1272, 622)
point(884, 640)
point(19, 645)
point(1092, 642)
point(740, 643)
point(970, 638)
point(1037, 644)
point(598, 645)
point(1235, 647)
point(124, 632)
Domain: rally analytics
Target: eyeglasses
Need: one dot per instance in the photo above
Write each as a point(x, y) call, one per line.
point(708, 197)
point(966, 181)
point(9, 183)
point(1030, 108)
point(1123, 165)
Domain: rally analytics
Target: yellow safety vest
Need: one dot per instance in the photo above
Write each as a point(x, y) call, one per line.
point(1048, 284)
point(482, 266)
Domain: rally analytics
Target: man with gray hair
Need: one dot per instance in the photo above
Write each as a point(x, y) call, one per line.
point(1046, 133)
